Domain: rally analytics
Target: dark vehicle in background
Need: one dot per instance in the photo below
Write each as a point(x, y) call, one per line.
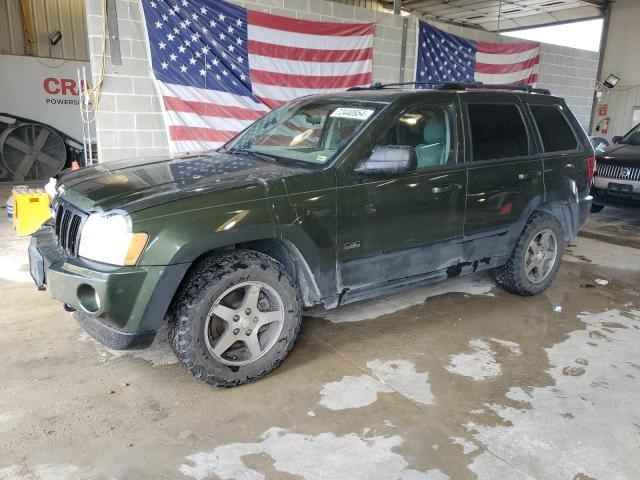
point(324, 201)
point(617, 175)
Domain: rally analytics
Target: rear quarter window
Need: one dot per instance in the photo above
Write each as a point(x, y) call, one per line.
point(555, 132)
point(497, 131)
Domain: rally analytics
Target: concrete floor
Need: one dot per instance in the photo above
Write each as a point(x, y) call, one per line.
point(458, 380)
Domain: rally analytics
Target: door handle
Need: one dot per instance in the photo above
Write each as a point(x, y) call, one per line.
point(529, 175)
point(452, 187)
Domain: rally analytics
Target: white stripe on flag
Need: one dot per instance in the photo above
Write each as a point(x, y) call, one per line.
point(305, 40)
point(195, 120)
point(194, 94)
point(295, 67)
point(500, 78)
point(277, 93)
point(193, 146)
point(505, 58)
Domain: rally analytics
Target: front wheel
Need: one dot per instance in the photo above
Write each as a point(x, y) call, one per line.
point(536, 257)
point(235, 318)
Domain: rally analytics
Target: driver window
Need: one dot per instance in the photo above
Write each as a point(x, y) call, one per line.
point(430, 130)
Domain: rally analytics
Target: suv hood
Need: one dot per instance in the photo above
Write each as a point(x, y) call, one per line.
point(621, 154)
point(133, 185)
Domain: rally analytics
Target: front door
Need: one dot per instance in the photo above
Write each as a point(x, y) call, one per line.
point(396, 226)
point(505, 171)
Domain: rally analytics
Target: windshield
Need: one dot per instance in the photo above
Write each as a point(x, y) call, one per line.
point(311, 130)
point(633, 137)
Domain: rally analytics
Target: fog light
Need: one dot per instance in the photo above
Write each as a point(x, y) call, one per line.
point(88, 298)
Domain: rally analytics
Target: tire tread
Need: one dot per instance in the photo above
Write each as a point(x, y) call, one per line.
point(192, 292)
point(509, 275)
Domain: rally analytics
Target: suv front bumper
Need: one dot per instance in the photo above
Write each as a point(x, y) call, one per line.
point(121, 307)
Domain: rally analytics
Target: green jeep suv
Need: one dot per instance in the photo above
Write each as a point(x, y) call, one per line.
point(324, 201)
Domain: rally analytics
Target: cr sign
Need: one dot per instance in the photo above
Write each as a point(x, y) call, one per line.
point(60, 86)
point(42, 89)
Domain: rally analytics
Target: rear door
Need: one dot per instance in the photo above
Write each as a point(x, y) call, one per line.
point(505, 169)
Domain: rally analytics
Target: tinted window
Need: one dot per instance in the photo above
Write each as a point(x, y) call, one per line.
point(556, 133)
point(497, 131)
point(430, 130)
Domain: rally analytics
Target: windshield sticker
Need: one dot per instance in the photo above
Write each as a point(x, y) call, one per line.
point(353, 113)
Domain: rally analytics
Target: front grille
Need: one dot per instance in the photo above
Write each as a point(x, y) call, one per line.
point(68, 223)
point(618, 172)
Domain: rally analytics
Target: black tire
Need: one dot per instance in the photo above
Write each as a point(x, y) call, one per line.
point(190, 308)
point(595, 208)
point(512, 275)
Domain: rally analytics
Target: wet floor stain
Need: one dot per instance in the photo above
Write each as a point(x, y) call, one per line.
point(312, 457)
point(481, 364)
point(397, 376)
point(570, 422)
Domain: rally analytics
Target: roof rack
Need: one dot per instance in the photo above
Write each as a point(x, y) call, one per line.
point(457, 86)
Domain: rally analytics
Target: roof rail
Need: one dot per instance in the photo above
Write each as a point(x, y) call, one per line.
point(457, 86)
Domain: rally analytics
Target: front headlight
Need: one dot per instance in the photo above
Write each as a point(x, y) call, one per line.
point(108, 239)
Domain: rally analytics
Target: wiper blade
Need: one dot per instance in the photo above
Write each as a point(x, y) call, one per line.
point(262, 156)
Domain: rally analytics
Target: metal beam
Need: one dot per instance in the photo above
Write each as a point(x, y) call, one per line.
point(27, 22)
point(606, 10)
point(397, 4)
point(114, 36)
point(550, 24)
point(403, 49)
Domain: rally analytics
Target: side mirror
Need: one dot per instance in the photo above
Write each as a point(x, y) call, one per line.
point(616, 139)
point(388, 159)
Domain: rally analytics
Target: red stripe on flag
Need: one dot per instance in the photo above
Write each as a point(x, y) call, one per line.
point(507, 67)
point(206, 109)
point(308, 54)
point(309, 81)
point(182, 132)
point(287, 24)
point(527, 81)
point(271, 103)
point(489, 47)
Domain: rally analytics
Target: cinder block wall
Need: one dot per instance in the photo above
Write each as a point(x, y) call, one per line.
point(129, 122)
point(570, 73)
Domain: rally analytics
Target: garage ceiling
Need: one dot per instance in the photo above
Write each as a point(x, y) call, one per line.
point(513, 13)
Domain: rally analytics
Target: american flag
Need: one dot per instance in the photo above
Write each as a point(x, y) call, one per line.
point(446, 57)
point(218, 67)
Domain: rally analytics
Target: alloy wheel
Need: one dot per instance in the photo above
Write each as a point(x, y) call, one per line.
point(541, 255)
point(244, 323)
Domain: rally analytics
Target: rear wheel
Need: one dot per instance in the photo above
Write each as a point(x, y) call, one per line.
point(536, 257)
point(235, 318)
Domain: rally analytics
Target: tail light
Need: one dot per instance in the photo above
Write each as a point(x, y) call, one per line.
point(591, 168)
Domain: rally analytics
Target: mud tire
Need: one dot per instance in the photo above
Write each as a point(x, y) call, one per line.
point(512, 276)
point(207, 280)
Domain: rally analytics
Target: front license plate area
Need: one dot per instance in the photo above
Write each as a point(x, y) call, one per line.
point(36, 267)
point(620, 190)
